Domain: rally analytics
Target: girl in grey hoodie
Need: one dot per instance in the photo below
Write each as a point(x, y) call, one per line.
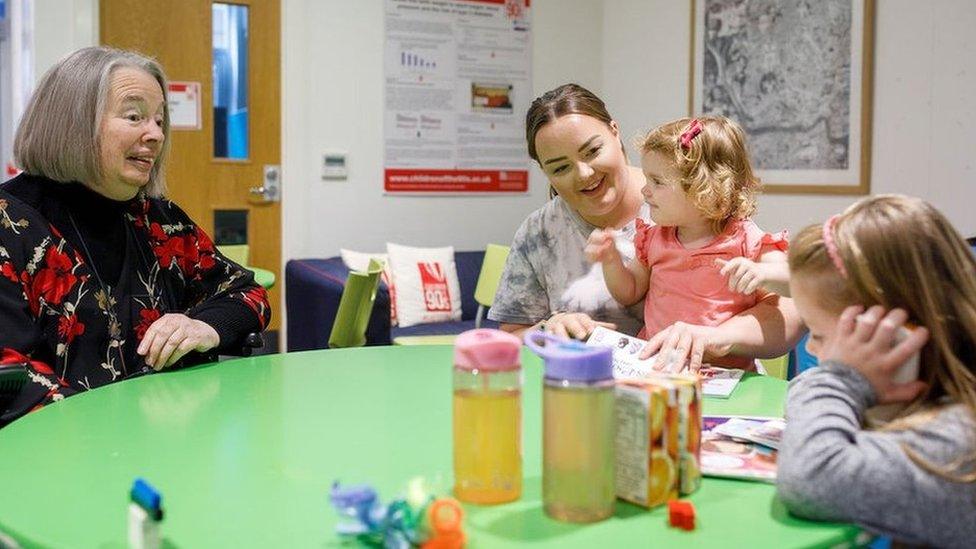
point(885, 285)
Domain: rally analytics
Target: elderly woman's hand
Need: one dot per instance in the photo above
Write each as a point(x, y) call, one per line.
point(575, 325)
point(868, 343)
point(682, 343)
point(174, 335)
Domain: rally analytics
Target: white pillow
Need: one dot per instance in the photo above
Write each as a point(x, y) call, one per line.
point(427, 284)
point(359, 261)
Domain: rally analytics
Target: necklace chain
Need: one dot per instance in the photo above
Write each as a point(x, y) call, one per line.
point(113, 313)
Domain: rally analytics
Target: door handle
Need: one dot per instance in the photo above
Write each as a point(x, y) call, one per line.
point(270, 190)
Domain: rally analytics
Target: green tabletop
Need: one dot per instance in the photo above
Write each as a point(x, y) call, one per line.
point(263, 277)
point(244, 453)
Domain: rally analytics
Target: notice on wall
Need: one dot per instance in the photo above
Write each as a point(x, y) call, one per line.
point(183, 99)
point(457, 85)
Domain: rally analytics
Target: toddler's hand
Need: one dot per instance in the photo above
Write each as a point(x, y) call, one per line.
point(867, 344)
point(745, 276)
point(600, 247)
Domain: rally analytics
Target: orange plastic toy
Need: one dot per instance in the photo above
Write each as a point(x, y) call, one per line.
point(445, 517)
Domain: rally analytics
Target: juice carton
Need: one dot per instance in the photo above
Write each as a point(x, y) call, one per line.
point(647, 447)
point(689, 396)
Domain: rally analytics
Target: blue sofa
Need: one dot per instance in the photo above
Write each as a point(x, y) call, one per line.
point(314, 287)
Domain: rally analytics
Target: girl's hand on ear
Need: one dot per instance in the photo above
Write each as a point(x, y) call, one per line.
point(867, 342)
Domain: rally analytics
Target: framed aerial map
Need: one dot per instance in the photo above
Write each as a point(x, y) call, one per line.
point(797, 76)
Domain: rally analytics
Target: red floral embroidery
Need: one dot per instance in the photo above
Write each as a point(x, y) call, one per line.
point(53, 282)
point(193, 253)
point(10, 356)
point(69, 328)
point(146, 318)
point(139, 209)
point(257, 299)
point(206, 247)
point(8, 271)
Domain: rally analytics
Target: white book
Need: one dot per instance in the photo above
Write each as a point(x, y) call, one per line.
point(716, 382)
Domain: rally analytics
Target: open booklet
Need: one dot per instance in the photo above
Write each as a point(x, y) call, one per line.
point(729, 448)
point(716, 382)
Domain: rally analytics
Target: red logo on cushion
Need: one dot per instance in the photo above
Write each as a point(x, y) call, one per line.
point(437, 297)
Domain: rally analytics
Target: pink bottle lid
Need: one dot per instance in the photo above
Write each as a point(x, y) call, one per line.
point(487, 349)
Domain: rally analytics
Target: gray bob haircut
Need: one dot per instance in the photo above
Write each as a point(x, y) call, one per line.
point(58, 135)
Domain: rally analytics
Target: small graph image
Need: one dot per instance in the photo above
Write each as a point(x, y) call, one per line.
point(415, 61)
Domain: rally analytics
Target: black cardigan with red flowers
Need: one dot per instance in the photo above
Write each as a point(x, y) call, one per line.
point(77, 327)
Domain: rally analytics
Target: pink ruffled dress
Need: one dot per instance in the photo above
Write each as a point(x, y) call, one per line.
point(686, 285)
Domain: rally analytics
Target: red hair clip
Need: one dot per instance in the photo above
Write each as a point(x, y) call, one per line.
point(691, 133)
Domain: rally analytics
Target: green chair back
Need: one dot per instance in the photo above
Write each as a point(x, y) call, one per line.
point(776, 367)
point(238, 253)
point(355, 307)
point(241, 254)
point(488, 279)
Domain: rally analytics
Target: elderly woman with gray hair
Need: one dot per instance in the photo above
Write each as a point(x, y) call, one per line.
point(102, 278)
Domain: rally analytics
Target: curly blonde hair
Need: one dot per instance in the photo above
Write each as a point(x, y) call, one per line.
point(715, 170)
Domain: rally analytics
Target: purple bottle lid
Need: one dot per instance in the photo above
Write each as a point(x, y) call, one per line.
point(569, 359)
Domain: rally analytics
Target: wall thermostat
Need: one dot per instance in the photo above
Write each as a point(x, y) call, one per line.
point(334, 165)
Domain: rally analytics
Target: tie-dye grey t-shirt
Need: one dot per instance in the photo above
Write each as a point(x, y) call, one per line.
point(547, 271)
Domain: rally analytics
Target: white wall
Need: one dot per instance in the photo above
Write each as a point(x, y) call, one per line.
point(333, 99)
point(924, 134)
point(634, 53)
point(61, 27)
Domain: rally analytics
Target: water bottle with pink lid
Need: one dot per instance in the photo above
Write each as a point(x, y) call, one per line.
point(487, 417)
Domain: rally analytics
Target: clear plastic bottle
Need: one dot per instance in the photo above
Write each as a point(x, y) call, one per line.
point(487, 417)
point(578, 429)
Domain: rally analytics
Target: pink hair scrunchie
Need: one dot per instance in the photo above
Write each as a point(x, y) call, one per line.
point(831, 245)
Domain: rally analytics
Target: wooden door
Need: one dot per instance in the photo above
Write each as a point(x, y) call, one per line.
point(179, 35)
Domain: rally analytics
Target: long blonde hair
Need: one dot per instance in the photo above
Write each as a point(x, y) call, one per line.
point(899, 251)
point(715, 170)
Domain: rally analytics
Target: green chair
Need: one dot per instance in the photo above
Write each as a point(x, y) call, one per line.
point(777, 367)
point(488, 279)
point(484, 293)
point(238, 253)
point(241, 254)
point(355, 307)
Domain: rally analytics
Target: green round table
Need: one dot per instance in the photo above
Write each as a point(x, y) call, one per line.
point(244, 453)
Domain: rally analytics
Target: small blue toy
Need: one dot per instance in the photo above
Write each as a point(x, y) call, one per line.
point(419, 520)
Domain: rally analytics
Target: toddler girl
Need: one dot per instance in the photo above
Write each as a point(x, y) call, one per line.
point(704, 261)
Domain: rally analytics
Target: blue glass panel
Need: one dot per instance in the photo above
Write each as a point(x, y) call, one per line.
point(230, 81)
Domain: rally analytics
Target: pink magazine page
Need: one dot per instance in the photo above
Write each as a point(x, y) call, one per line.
point(723, 456)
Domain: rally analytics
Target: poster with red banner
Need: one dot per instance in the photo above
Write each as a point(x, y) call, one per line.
point(457, 85)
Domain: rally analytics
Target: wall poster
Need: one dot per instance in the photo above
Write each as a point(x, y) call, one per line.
point(457, 85)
